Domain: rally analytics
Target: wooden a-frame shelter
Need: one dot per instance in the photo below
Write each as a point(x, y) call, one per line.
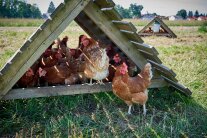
point(165, 30)
point(102, 22)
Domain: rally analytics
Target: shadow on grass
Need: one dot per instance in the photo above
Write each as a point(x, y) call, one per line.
point(103, 115)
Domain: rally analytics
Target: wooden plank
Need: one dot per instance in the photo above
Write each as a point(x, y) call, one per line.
point(150, 56)
point(56, 91)
point(145, 47)
point(91, 29)
point(123, 25)
point(154, 34)
point(40, 44)
point(34, 35)
point(45, 24)
point(5, 68)
point(163, 73)
point(117, 37)
point(111, 13)
point(163, 68)
point(25, 46)
point(104, 3)
point(132, 36)
point(67, 90)
point(178, 86)
point(57, 10)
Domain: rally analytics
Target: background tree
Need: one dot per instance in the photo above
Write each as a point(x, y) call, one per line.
point(196, 14)
point(190, 14)
point(18, 9)
point(36, 11)
point(182, 13)
point(51, 8)
point(135, 10)
point(125, 13)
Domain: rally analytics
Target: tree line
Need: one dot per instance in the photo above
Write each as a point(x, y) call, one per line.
point(134, 11)
point(183, 13)
point(18, 9)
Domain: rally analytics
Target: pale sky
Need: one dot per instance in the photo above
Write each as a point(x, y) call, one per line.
point(161, 7)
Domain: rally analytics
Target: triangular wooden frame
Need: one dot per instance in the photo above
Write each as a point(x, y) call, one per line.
point(169, 32)
point(102, 22)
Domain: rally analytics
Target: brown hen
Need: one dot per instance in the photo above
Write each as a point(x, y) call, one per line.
point(96, 61)
point(132, 89)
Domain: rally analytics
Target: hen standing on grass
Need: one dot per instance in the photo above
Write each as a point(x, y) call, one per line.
point(97, 61)
point(132, 89)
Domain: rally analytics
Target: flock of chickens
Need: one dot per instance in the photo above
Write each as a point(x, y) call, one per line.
point(92, 60)
point(150, 30)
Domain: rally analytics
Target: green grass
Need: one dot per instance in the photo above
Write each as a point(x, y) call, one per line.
point(16, 22)
point(169, 114)
point(4, 22)
point(203, 28)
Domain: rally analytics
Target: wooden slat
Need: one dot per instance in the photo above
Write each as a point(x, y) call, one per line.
point(25, 46)
point(145, 47)
point(178, 86)
point(57, 10)
point(5, 68)
point(112, 14)
point(16, 55)
point(11, 59)
point(35, 35)
point(151, 57)
point(123, 25)
point(163, 68)
point(40, 44)
point(67, 90)
point(91, 29)
point(132, 36)
point(45, 24)
point(156, 34)
point(113, 33)
point(163, 73)
point(104, 3)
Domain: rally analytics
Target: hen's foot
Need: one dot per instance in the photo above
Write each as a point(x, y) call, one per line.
point(100, 82)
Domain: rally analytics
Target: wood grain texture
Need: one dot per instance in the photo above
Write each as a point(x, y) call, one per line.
point(104, 3)
point(67, 90)
point(123, 25)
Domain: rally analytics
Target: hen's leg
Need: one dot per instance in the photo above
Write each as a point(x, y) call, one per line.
point(90, 82)
point(144, 109)
point(129, 110)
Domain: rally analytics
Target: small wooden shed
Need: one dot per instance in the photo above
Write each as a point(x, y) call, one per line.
point(163, 30)
point(102, 22)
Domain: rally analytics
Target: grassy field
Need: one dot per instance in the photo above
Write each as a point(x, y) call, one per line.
point(104, 115)
point(38, 22)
